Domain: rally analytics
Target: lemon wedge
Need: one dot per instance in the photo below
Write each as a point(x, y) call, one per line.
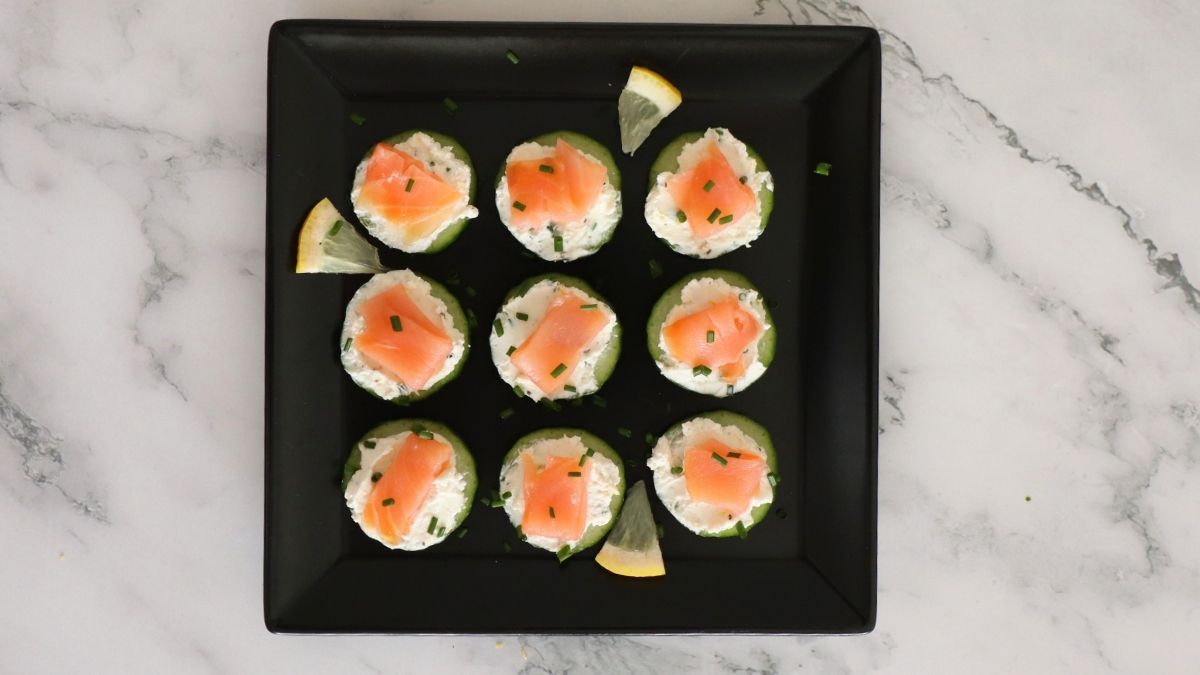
point(631, 549)
point(646, 99)
point(329, 243)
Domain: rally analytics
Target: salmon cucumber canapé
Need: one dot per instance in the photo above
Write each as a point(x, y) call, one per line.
point(404, 336)
point(409, 483)
point(555, 338)
point(716, 473)
point(562, 489)
point(413, 191)
point(709, 194)
point(560, 195)
point(711, 333)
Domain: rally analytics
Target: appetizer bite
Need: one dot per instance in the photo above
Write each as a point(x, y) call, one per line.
point(404, 336)
point(711, 333)
point(409, 483)
point(562, 489)
point(715, 473)
point(329, 243)
point(709, 194)
point(560, 195)
point(555, 338)
point(413, 191)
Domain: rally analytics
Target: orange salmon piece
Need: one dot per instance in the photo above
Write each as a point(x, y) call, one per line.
point(405, 484)
point(560, 188)
point(733, 330)
point(729, 485)
point(413, 354)
point(553, 488)
point(727, 195)
point(406, 193)
point(551, 353)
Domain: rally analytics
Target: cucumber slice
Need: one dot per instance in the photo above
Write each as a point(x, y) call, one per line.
point(464, 462)
point(760, 436)
point(595, 533)
point(673, 296)
point(456, 228)
point(607, 361)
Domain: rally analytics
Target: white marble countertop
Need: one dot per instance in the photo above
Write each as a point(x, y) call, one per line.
point(1040, 350)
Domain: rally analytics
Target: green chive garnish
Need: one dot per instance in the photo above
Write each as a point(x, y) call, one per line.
point(742, 180)
point(725, 220)
point(441, 531)
point(599, 401)
point(336, 227)
point(510, 350)
point(823, 168)
point(656, 269)
point(506, 496)
point(376, 476)
point(701, 370)
point(589, 306)
point(575, 474)
point(506, 413)
point(711, 336)
point(520, 533)
point(427, 435)
point(545, 168)
point(650, 439)
point(658, 529)
point(409, 184)
point(583, 458)
point(625, 432)
point(357, 119)
point(773, 478)
point(507, 547)
point(370, 445)
point(564, 553)
point(735, 454)
point(709, 186)
point(388, 502)
point(518, 206)
point(741, 530)
point(681, 216)
point(512, 56)
point(552, 404)
point(590, 452)
point(720, 460)
point(462, 533)
point(558, 370)
point(713, 216)
point(522, 316)
point(471, 291)
point(451, 106)
point(676, 470)
point(499, 328)
point(570, 387)
point(346, 344)
point(558, 244)
point(551, 511)
point(518, 390)
point(396, 325)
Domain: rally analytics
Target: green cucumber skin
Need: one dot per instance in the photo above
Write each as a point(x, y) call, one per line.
point(668, 160)
point(464, 462)
point(612, 353)
point(453, 231)
point(673, 296)
point(595, 533)
point(759, 435)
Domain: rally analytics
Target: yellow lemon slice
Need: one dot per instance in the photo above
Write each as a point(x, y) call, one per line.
point(646, 99)
point(329, 243)
point(631, 549)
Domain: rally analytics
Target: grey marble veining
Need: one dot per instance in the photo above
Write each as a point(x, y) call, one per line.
point(1039, 403)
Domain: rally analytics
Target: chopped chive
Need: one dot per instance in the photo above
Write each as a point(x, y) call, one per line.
point(712, 217)
point(388, 502)
point(506, 496)
point(518, 206)
point(545, 168)
point(701, 370)
point(357, 119)
point(471, 291)
point(346, 344)
point(599, 401)
point(656, 269)
point(512, 56)
point(551, 511)
point(575, 474)
point(571, 388)
point(506, 413)
point(427, 435)
point(396, 325)
point(773, 478)
point(651, 439)
point(499, 327)
point(564, 553)
point(720, 460)
point(511, 349)
point(709, 186)
point(520, 533)
point(441, 531)
point(676, 470)
point(589, 306)
point(823, 168)
point(336, 228)
point(734, 454)
point(625, 432)
point(451, 106)
point(711, 336)
point(518, 390)
point(522, 316)
point(507, 547)
point(742, 180)
point(376, 476)
point(558, 370)
point(681, 216)
point(409, 185)
point(658, 529)
point(370, 445)
point(552, 404)
point(741, 530)
point(558, 244)
point(725, 220)
point(462, 533)
point(582, 459)
point(590, 452)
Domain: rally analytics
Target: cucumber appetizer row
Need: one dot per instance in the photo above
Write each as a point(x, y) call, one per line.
point(410, 484)
point(554, 337)
point(559, 194)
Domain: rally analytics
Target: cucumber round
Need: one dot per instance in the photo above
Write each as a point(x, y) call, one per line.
point(456, 228)
point(607, 362)
point(595, 533)
point(673, 296)
point(761, 437)
point(668, 161)
point(464, 462)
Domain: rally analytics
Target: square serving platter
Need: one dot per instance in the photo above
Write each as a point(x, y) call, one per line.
point(800, 96)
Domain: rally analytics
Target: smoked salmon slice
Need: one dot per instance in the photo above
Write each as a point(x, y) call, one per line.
point(404, 485)
point(729, 482)
point(402, 190)
point(555, 497)
point(561, 188)
point(551, 353)
point(710, 194)
point(715, 336)
point(401, 339)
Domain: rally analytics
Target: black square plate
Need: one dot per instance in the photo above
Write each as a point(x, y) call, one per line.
point(800, 95)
